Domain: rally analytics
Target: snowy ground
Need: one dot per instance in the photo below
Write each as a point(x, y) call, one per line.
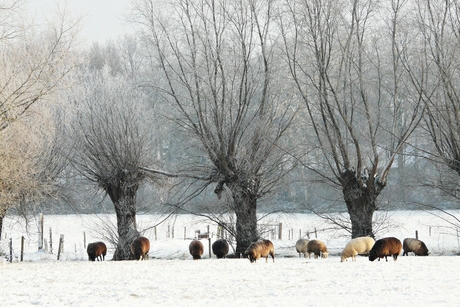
point(171, 278)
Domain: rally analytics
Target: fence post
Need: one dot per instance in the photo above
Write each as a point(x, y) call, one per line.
point(172, 232)
point(430, 231)
point(280, 231)
point(416, 234)
point(185, 232)
point(300, 233)
point(155, 232)
point(40, 231)
point(84, 239)
point(59, 248)
point(62, 243)
point(11, 250)
point(51, 241)
point(316, 234)
point(22, 248)
point(209, 245)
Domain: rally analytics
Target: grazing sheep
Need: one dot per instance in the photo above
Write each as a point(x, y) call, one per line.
point(318, 248)
point(301, 247)
point(140, 248)
point(357, 246)
point(196, 249)
point(416, 246)
point(96, 250)
point(220, 248)
point(386, 247)
point(260, 248)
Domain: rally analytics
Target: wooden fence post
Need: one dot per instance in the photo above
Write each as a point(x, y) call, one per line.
point(416, 234)
point(185, 232)
point(40, 231)
point(84, 239)
point(155, 232)
point(209, 245)
point(11, 250)
point(60, 248)
point(62, 244)
point(22, 248)
point(280, 231)
point(51, 240)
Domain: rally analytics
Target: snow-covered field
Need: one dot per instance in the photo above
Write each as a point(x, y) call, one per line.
point(172, 278)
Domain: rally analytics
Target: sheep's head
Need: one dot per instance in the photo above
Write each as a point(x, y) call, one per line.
point(324, 255)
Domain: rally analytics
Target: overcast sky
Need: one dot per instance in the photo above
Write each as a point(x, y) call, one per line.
point(103, 18)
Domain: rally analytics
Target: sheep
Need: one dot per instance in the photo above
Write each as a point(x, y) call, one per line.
point(356, 246)
point(261, 248)
point(140, 248)
point(220, 248)
point(196, 249)
point(416, 246)
point(301, 247)
point(318, 248)
point(385, 247)
point(96, 250)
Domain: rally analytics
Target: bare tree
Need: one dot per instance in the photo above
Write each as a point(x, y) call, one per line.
point(223, 77)
point(439, 30)
point(111, 144)
point(34, 61)
point(351, 85)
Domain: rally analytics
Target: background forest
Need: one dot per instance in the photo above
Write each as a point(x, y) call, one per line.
point(231, 110)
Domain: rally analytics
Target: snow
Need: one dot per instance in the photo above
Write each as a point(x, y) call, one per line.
point(172, 278)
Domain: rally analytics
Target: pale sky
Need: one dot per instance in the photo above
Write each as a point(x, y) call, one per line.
point(103, 21)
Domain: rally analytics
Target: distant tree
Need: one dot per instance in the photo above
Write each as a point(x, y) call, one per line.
point(111, 140)
point(345, 59)
point(439, 30)
point(34, 62)
point(224, 79)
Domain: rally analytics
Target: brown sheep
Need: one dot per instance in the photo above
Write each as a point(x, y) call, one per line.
point(220, 248)
point(140, 248)
point(301, 247)
point(260, 248)
point(416, 246)
point(196, 249)
point(318, 248)
point(96, 250)
point(386, 247)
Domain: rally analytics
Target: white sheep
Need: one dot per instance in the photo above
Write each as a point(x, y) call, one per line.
point(301, 247)
point(361, 245)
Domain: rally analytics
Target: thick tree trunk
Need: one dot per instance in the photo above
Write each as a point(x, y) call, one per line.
point(361, 211)
point(124, 201)
point(245, 204)
point(361, 203)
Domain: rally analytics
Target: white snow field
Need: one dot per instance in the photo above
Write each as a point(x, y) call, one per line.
point(171, 278)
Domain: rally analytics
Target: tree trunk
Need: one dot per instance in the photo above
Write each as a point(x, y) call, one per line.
point(361, 203)
point(245, 203)
point(124, 202)
point(361, 211)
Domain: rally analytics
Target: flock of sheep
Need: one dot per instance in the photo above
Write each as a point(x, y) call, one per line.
point(381, 248)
